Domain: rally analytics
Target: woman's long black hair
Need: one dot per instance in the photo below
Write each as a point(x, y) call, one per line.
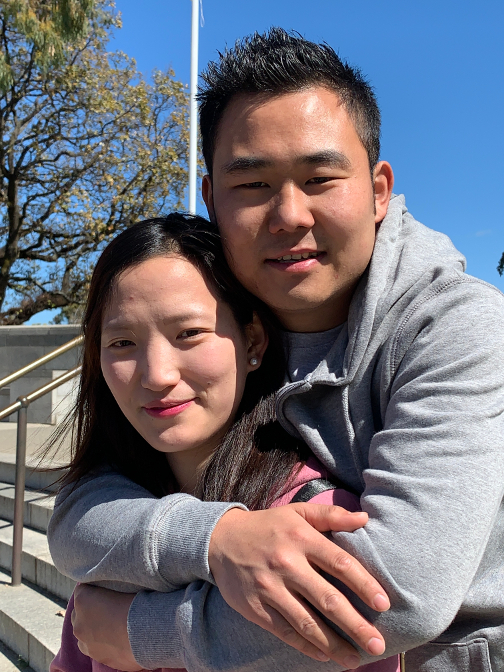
point(255, 460)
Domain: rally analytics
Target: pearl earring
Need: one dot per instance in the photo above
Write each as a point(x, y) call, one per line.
point(253, 361)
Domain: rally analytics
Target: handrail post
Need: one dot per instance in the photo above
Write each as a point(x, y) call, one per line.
point(17, 540)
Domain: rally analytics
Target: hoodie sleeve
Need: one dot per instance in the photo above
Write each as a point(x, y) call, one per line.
point(108, 527)
point(196, 629)
point(434, 487)
point(435, 482)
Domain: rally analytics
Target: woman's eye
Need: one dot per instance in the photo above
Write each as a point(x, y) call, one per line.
point(123, 343)
point(189, 333)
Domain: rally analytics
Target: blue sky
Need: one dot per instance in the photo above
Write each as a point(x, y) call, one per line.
point(436, 66)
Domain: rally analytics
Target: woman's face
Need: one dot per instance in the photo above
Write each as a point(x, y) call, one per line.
point(174, 359)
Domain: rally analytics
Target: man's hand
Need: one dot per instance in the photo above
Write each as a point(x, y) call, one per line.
point(265, 564)
point(100, 623)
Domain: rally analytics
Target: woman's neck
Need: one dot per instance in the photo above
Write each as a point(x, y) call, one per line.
point(187, 466)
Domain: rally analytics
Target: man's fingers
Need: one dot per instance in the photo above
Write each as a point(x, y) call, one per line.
point(326, 517)
point(315, 640)
point(296, 625)
point(335, 606)
point(274, 562)
point(332, 559)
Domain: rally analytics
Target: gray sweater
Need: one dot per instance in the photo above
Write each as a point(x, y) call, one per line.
point(407, 409)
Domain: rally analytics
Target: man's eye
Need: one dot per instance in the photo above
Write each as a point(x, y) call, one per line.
point(319, 180)
point(253, 185)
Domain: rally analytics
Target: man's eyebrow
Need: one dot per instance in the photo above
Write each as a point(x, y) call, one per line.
point(326, 157)
point(244, 163)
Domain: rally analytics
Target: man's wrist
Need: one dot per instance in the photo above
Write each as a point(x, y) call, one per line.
point(230, 521)
point(183, 537)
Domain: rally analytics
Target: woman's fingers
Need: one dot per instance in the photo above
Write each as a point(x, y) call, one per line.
point(99, 621)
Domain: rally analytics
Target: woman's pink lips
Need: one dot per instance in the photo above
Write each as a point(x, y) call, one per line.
point(167, 411)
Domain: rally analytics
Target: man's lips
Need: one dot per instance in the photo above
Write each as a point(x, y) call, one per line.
point(296, 261)
point(158, 409)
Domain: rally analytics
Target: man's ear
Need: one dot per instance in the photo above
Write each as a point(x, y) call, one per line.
point(383, 182)
point(257, 342)
point(207, 193)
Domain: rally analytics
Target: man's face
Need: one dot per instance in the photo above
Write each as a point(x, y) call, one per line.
point(293, 196)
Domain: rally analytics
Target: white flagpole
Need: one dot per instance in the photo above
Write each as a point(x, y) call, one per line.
point(193, 117)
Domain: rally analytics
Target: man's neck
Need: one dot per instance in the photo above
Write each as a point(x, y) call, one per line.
point(322, 318)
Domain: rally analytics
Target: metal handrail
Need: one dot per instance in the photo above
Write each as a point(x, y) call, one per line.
point(38, 362)
point(21, 406)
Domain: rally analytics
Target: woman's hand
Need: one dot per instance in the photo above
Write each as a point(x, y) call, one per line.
point(266, 565)
point(100, 623)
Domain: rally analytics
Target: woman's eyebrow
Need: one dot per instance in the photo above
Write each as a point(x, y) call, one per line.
point(119, 324)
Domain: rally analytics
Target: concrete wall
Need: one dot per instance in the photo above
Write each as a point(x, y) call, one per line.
point(21, 345)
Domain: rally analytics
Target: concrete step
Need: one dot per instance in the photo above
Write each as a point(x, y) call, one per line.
point(36, 562)
point(11, 662)
point(30, 623)
point(37, 476)
point(37, 435)
point(38, 506)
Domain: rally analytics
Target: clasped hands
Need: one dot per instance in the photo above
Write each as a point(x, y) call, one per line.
point(266, 565)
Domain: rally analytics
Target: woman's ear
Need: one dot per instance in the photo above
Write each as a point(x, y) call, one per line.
point(257, 342)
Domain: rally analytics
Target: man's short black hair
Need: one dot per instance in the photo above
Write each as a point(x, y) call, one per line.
point(279, 62)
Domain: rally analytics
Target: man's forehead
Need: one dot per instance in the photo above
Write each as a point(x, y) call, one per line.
point(305, 127)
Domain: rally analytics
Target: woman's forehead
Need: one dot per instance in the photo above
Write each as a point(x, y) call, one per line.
point(168, 285)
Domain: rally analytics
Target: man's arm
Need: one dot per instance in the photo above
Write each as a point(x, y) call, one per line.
point(123, 522)
point(435, 481)
point(434, 486)
point(107, 518)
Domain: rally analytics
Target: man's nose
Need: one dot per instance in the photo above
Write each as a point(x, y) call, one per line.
point(160, 368)
point(290, 210)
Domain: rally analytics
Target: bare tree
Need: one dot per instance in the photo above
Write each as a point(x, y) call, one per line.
point(87, 147)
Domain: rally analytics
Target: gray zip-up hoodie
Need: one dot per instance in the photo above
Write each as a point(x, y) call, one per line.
point(407, 409)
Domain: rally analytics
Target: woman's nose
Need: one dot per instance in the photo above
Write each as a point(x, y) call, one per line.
point(160, 368)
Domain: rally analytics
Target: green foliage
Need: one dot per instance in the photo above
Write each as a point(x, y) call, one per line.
point(87, 146)
point(500, 267)
point(50, 27)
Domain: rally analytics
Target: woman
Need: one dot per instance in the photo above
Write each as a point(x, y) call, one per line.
point(179, 372)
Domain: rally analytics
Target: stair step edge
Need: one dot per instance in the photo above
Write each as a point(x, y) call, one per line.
point(11, 662)
point(30, 623)
point(38, 506)
point(36, 562)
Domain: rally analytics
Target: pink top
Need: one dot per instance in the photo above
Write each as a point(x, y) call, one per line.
point(70, 659)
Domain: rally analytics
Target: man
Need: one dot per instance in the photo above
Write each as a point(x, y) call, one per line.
point(395, 383)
